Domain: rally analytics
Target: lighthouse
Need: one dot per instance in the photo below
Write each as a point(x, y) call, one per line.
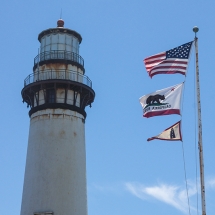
point(57, 93)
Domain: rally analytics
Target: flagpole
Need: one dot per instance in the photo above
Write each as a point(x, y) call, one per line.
point(196, 29)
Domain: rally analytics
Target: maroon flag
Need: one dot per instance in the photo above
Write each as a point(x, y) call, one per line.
point(170, 62)
point(173, 133)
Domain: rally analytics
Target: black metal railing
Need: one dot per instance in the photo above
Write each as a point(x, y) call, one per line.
point(65, 55)
point(61, 74)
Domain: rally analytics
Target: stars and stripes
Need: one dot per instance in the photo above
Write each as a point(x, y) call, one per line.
point(169, 62)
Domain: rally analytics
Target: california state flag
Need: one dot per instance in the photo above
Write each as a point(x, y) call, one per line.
point(172, 133)
point(162, 102)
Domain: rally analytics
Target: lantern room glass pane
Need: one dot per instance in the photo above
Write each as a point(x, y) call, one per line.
point(68, 48)
point(54, 46)
point(47, 48)
point(62, 38)
point(74, 42)
point(47, 40)
point(74, 45)
point(77, 47)
point(54, 38)
point(68, 40)
point(42, 42)
point(42, 49)
point(61, 46)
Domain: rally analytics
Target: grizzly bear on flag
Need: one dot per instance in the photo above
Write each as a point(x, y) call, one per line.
point(154, 98)
point(162, 102)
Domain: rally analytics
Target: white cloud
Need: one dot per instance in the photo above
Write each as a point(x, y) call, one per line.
point(132, 187)
point(173, 195)
point(169, 194)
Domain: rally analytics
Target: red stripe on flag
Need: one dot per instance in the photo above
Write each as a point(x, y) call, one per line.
point(169, 67)
point(175, 61)
point(167, 72)
point(155, 56)
point(154, 61)
point(162, 112)
point(165, 65)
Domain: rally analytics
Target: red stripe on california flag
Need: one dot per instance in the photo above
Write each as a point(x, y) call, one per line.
point(161, 113)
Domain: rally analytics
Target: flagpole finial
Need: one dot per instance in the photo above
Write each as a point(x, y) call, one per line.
point(195, 29)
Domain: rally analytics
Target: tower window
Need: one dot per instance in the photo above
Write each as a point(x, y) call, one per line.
point(51, 96)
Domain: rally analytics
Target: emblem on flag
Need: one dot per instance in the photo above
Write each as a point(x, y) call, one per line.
point(162, 102)
point(173, 133)
point(170, 62)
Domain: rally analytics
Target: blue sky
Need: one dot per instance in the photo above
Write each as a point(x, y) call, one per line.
point(125, 173)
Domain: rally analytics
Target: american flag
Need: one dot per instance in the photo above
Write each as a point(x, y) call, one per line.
point(170, 62)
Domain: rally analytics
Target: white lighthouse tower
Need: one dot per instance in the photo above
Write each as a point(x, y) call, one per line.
point(57, 93)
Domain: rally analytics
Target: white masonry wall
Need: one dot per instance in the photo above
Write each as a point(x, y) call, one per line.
point(55, 174)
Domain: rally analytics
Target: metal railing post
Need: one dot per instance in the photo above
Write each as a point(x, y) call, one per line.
point(62, 74)
point(55, 54)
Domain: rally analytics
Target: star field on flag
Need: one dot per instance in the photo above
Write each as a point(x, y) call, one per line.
point(170, 62)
